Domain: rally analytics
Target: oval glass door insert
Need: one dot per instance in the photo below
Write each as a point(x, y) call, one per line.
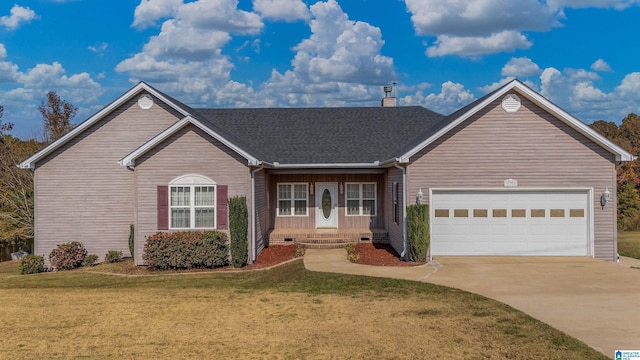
point(326, 203)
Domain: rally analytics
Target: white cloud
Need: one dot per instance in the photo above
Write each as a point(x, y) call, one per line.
point(479, 18)
point(220, 15)
point(476, 46)
point(339, 63)
point(19, 15)
point(520, 67)
point(451, 97)
point(287, 10)
point(98, 49)
point(581, 74)
point(630, 86)
point(491, 87)
point(149, 11)
point(603, 4)
point(601, 65)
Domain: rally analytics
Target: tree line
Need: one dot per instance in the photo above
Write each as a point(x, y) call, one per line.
point(16, 185)
point(627, 135)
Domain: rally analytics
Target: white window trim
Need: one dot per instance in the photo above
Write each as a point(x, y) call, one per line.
point(292, 199)
point(192, 206)
point(360, 199)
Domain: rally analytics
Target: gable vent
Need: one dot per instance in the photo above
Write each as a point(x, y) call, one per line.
point(145, 102)
point(511, 103)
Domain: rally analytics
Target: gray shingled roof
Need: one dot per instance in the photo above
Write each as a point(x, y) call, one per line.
point(322, 135)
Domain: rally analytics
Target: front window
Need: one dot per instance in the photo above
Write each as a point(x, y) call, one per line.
point(192, 207)
point(361, 199)
point(292, 199)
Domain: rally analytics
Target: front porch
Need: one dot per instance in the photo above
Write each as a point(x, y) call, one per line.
point(326, 238)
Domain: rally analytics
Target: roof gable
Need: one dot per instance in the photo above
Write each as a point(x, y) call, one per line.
point(463, 114)
point(129, 160)
point(131, 93)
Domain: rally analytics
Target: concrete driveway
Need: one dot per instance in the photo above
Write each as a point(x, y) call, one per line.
point(595, 301)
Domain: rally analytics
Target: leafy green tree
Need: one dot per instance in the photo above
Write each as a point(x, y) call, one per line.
point(629, 207)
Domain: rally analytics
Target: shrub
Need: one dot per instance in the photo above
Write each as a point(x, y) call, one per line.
point(131, 239)
point(300, 251)
point(186, 250)
point(68, 256)
point(417, 232)
point(90, 260)
point(352, 253)
point(113, 256)
point(32, 264)
point(238, 226)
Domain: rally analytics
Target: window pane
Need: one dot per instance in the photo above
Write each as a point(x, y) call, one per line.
point(284, 191)
point(301, 207)
point(442, 213)
point(180, 218)
point(353, 191)
point(205, 217)
point(205, 195)
point(284, 207)
point(368, 207)
point(180, 195)
point(353, 207)
point(368, 191)
point(300, 191)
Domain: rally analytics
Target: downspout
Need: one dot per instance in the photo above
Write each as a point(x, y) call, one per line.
point(253, 212)
point(404, 208)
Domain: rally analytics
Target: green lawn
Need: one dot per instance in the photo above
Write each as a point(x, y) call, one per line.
point(283, 313)
point(629, 244)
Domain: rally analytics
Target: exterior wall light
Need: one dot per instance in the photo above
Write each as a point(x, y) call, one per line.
point(341, 188)
point(419, 198)
point(604, 198)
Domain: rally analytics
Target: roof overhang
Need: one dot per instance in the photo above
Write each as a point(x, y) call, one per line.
point(140, 87)
point(129, 160)
point(522, 89)
point(375, 164)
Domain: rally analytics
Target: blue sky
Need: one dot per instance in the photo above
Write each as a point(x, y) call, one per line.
point(581, 54)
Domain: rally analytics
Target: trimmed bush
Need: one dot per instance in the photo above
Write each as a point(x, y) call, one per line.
point(186, 250)
point(113, 256)
point(90, 260)
point(68, 256)
point(238, 229)
point(417, 232)
point(131, 239)
point(32, 264)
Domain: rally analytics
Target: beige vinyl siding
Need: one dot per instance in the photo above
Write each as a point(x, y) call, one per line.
point(262, 227)
point(344, 221)
point(395, 230)
point(82, 194)
point(188, 151)
point(530, 146)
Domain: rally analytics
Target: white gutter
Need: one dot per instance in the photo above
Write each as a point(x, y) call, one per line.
point(404, 207)
point(253, 212)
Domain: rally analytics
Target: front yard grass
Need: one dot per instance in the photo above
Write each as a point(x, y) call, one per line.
point(629, 244)
point(282, 313)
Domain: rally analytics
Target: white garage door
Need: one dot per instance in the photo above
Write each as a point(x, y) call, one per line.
point(510, 223)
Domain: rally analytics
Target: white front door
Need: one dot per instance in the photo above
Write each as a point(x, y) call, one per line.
point(326, 205)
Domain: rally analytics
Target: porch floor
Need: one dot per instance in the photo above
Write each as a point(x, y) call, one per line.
point(327, 238)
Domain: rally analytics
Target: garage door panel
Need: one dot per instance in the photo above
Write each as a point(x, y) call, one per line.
point(510, 223)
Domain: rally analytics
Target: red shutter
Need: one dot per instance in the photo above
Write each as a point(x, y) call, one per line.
point(163, 207)
point(222, 208)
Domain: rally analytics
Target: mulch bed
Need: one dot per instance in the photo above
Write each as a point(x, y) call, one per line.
point(380, 255)
point(370, 254)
